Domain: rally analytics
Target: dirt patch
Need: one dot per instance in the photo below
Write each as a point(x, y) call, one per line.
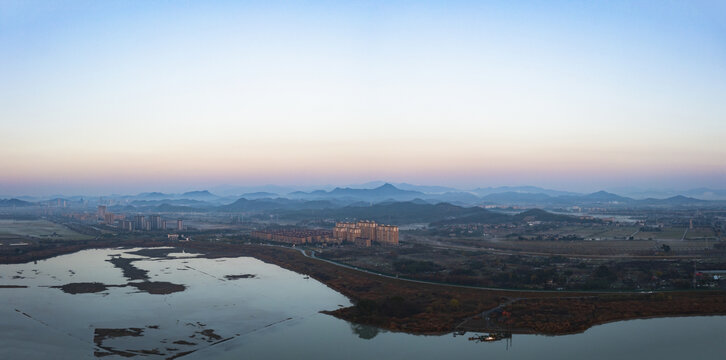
point(183, 342)
point(209, 333)
point(84, 287)
point(151, 287)
point(130, 271)
point(158, 287)
point(180, 355)
point(155, 253)
point(243, 276)
point(101, 334)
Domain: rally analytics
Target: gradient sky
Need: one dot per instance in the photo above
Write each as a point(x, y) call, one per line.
point(124, 96)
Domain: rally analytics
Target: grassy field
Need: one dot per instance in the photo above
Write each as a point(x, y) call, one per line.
point(613, 232)
point(700, 233)
point(38, 230)
point(668, 233)
point(596, 232)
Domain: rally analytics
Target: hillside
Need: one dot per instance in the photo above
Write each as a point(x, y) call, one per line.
point(396, 213)
point(14, 202)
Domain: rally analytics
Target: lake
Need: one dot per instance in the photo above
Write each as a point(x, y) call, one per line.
point(235, 308)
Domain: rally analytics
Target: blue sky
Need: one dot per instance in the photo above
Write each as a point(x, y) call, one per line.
point(580, 95)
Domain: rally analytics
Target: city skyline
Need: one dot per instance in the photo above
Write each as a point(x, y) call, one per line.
point(124, 97)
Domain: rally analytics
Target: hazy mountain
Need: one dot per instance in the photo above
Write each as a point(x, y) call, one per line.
point(541, 215)
point(383, 192)
point(701, 193)
point(458, 197)
point(169, 208)
point(201, 194)
point(153, 195)
point(390, 213)
point(521, 189)
point(706, 193)
point(260, 195)
point(510, 197)
point(428, 189)
point(254, 205)
point(419, 201)
point(233, 190)
point(14, 203)
point(678, 200)
point(606, 197)
point(174, 202)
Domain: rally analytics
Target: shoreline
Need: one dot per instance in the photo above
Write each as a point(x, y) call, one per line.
point(420, 308)
point(435, 309)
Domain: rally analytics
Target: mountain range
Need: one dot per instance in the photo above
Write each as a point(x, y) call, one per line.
point(338, 197)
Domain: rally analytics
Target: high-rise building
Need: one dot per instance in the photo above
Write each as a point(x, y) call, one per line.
point(387, 234)
point(139, 222)
point(366, 230)
point(109, 218)
point(155, 222)
point(101, 214)
point(127, 225)
point(180, 224)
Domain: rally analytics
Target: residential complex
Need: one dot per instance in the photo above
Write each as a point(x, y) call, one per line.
point(363, 233)
point(296, 236)
point(366, 230)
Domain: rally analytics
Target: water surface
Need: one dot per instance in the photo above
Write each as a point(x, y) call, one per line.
point(274, 314)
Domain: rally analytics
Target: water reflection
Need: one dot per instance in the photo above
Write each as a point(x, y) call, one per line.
point(366, 332)
point(97, 314)
point(227, 313)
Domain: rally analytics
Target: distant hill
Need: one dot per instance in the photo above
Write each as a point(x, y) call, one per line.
point(706, 194)
point(260, 195)
point(391, 213)
point(541, 215)
point(257, 205)
point(14, 203)
point(456, 197)
point(522, 189)
point(428, 189)
point(175, 208)
point(490, 217)
point(516, 197)
point(198, 194)
point(604, 196)
point(381, 193)
point(419, 201)
point(174, 202)
point(600, 198)
point(701, 193)
point(153, 195)
point(678, 200)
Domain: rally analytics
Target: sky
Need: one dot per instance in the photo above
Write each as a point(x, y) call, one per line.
point(129, 96)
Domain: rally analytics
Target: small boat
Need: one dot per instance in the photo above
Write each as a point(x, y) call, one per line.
point(490, 337)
